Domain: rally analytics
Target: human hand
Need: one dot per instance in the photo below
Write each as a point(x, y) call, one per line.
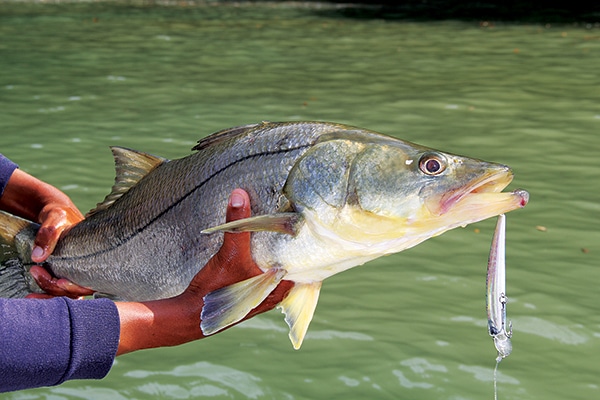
point(30, 198)
point(233, 262)
point(55, 286)
point(55, 217)
point(174, 321)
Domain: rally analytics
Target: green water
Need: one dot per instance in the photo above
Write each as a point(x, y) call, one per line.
point(75, 79)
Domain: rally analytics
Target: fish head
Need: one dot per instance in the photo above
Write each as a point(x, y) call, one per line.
point(382, 191)
point(460, 190)
point(423, 192)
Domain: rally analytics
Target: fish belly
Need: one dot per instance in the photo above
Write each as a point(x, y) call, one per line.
point(148, 244)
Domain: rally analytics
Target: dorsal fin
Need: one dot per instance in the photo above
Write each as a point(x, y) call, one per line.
point(131, 166)
point(225, 134)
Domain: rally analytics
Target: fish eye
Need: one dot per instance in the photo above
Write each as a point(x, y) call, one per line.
point(432, 164)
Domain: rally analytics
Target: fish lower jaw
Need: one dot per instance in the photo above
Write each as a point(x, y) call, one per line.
point(479, 206)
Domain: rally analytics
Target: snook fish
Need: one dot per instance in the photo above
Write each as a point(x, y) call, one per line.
point(325, 198)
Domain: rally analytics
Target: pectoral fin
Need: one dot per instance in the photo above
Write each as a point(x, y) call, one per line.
point(226, 306)
point(281, 222)
point(299, 307)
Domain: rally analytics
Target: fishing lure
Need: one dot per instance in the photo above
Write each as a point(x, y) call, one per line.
point(496, 298)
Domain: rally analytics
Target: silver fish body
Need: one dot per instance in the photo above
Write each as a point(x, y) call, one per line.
point(148, 244)
point(325, 197)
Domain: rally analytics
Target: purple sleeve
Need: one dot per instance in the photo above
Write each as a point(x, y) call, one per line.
point(47, 342)
point(7, 167)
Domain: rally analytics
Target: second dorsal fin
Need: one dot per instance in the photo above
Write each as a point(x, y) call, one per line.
point(226, 134)
point(131, 166)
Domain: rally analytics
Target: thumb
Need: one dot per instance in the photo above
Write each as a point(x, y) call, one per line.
point(233, 262)
point(54, 220)
point(236, 245)
point(44, 243)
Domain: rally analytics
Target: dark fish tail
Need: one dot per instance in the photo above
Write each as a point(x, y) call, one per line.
point(16, 236)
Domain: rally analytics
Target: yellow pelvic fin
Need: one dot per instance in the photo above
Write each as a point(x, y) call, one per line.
point(230, 304)
point(280, 222)
point(299, 307)
point(131, 166)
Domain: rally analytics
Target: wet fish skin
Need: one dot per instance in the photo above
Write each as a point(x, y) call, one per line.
point(325, 197)
point(149, 243)
point(359, 197)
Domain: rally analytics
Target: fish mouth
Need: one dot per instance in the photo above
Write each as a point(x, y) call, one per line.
point(483, 197)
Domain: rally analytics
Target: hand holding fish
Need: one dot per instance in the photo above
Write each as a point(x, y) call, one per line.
point(55, 217)
point(41, 202)
point(326, 198)
point(151, 324)
point(32, 198)
point(53, 286)
point(233, 262)
point(174, 321)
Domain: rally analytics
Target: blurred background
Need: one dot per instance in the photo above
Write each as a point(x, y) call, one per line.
point(511, 82)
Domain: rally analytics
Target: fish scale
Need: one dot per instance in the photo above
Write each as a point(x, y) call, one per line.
point(168, 227)
point(325, 198)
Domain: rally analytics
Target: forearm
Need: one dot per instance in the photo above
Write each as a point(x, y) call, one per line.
point(26, 196)
point(167, 322)
point(174, 321)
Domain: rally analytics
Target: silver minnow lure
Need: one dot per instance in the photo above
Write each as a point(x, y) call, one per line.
point(496, 293)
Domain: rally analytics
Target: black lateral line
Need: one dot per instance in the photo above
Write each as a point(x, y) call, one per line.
point(174, 204)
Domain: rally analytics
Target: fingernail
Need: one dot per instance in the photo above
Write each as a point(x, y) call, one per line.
point(237, 200)
point(37, 252)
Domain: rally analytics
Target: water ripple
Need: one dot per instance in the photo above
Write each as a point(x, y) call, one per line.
point(549, 330)
point(487, 374)
point(239, 381)
point(407, 383)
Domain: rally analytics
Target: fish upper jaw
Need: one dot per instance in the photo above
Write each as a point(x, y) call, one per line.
point(492, 182)
point(480, 199)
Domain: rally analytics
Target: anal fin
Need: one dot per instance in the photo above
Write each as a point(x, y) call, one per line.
point(299, 307)
point(230, 304)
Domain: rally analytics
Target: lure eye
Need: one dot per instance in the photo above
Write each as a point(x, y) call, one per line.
point(432, 164)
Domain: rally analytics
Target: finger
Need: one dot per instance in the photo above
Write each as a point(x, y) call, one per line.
point(57, 287)
point(44, 243)
point(54, 220)
point(237, 244)
point(238, 206)
point(233, 262)
point(46, 296)
point(274, 298)
point(73, 289)
point(43, 279)
point(48, 234)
